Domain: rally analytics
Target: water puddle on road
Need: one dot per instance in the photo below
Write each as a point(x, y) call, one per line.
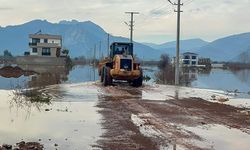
point(69, 120)
point(220, 137)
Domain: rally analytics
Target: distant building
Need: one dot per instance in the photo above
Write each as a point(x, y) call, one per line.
point(218, 65)
point(189, 59)
point(205, 62)
point(45, 45)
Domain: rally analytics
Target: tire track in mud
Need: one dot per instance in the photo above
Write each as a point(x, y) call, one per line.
point(120, 133)
point(133, 123)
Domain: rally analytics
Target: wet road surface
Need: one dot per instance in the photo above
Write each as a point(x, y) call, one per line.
point(132, 121)
point(89, 116)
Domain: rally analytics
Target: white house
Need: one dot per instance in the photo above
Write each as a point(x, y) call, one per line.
point(189, 59)
point(45, 45)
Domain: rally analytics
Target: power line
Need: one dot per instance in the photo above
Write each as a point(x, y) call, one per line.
point(150, 15)
point(170, 2)
point(188, 2)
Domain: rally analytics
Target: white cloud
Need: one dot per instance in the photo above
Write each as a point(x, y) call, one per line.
point(156, 23)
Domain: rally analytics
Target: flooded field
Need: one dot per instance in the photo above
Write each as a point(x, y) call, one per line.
point(89, 116)
point(47, 75)
point(218, 79)
point(69, 120)
point(72, 110)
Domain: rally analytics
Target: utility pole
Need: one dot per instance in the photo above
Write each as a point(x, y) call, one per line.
point(100, 49)
point(131, 25)
point(94, 58)
point(177, 59)
point(108, 45)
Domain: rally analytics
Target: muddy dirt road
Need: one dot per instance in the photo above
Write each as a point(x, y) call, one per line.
point(132, 122)
point(90, 116)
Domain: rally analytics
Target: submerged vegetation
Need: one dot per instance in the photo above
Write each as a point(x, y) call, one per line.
point(26, 99)
point(238, 66)
point(166, 72)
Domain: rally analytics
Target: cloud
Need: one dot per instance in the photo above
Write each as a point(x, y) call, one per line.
point(5, 8)
point(206, 19)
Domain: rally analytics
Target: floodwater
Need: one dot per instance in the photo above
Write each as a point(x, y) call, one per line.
point(47, 75)
point(69, 119)
point(66, 116)
point(220, 79)
point(221, 137)
point(217, 79)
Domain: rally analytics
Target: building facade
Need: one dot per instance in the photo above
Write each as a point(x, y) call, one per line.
point(189, 59)
point(45, 45)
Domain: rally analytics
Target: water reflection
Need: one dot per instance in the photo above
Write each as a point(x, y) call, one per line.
point(218, 79)
point(31, 93)
point(29, 84)
point(35, 114)
point(46, 75)
point(187, 75)
point(14, 72)
point(28, 76)
point(242, 75)
point(35, 76)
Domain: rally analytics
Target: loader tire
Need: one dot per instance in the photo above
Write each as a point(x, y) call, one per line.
point(107, 79)
point(102, 75)
point(138, 82)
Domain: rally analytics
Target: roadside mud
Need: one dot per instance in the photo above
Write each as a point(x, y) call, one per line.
point(134, 123)
point(23, 146)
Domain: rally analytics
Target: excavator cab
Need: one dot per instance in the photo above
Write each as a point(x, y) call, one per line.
point(121, 49)
point(121, 65)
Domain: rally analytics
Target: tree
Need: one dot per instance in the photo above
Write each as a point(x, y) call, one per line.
point(166, 72)
point(65, 51)
point(164, 62)
point(6, 53)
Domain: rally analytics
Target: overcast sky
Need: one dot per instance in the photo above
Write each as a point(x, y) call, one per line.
point(206, 19)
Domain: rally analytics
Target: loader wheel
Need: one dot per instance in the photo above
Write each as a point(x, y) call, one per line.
point(107, 79)
point(138, 82)
point(102, 75)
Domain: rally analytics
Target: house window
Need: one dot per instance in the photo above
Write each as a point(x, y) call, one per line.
point(46, 52)
point(186, 57)
point(186, 62)
point(45, 40)
point(34, 50)
point(194, 57)
point(193, 62)
point(35, 40)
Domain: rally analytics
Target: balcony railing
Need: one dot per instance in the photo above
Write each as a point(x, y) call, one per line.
point(46, 53)
point(45, 44)
point(32, 44)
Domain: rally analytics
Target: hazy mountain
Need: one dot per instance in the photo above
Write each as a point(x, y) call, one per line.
point(190, 45)
point(79, 37)
point(226, 49)
point(184, 44)
point(230, 48)
point(244, 57)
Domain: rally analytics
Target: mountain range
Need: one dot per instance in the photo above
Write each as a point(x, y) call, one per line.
point(189, 45)
point(230, 48)
point(185, 44)
point(81, 38)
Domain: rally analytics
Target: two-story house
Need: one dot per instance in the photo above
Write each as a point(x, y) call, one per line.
point(45, 45)
point(189, 59)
